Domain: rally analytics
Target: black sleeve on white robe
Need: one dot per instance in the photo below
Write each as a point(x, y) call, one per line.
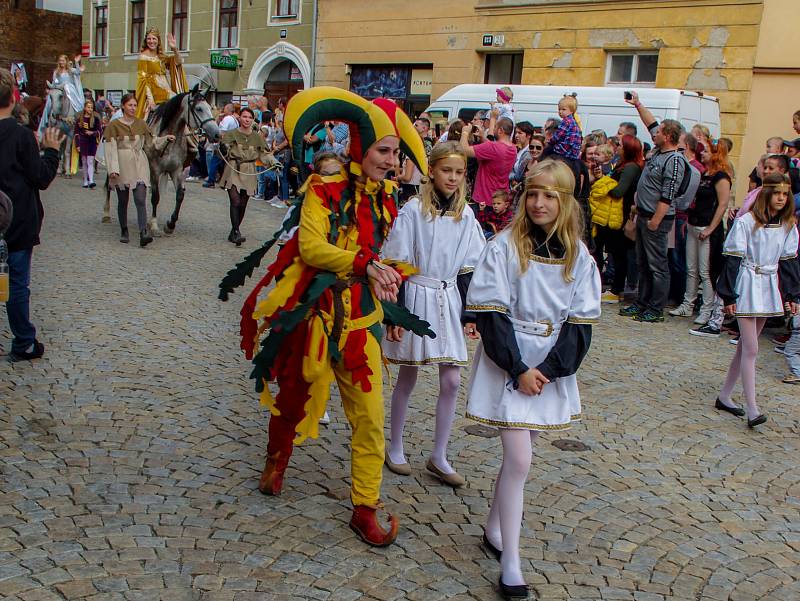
point(462, 281)
point(401, 295)
point(726, 283)
point(789, 279)
point(500, 342)
point(566, 356)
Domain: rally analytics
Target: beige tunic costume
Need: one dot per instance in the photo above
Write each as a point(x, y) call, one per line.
point(124, 152)
point(243, 152)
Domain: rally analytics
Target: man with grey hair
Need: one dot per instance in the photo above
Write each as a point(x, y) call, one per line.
point(659, 186)
point(550, 127)
point(627, 128)
point(496, 159)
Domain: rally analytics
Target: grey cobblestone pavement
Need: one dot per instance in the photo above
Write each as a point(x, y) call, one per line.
point(130, 454)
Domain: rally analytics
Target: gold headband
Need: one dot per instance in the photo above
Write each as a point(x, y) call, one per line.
point(454, 155)
point(547, 188)
point(153, 30)
point(780, 187)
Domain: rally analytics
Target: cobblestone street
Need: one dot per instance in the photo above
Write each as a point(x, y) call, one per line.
point(130, 453)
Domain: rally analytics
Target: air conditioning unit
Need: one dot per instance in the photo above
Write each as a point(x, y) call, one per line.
point(499, 40)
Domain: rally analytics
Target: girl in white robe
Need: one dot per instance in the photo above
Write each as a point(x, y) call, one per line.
point(535, 293)
point(761, 272)
point(437, 233)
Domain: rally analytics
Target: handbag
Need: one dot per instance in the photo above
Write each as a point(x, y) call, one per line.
point(629, 229)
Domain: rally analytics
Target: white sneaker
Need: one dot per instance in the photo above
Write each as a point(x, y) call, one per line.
point(276, 202)
point(703, 318)
point(683, 310)
point(192, 178)
point(325, 419)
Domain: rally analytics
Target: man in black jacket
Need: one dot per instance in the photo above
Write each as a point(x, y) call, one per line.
point(23, 172)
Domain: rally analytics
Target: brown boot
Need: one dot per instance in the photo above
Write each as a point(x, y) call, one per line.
point(271, 480)
point(365, 523)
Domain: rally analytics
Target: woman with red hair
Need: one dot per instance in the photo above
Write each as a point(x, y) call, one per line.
point(705, 237)
point(627, 173)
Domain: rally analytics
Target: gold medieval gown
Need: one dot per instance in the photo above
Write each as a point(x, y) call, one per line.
point(158, 79)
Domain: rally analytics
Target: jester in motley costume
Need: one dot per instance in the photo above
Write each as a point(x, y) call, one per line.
point(322, 320)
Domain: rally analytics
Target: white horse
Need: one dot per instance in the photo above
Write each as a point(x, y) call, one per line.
point(62, 116)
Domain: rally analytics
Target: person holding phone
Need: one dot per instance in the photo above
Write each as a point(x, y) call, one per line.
point(23, 173)
point(658, 187)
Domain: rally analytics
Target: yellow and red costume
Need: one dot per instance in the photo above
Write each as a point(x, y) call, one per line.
point(322, 321)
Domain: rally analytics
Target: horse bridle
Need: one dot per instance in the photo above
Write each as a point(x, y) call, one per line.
point(198, 131)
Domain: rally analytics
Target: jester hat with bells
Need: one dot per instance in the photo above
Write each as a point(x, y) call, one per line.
point(368, 122)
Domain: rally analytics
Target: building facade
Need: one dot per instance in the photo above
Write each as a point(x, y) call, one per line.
point(34, 38)
point(724, 48)
point(237, 46)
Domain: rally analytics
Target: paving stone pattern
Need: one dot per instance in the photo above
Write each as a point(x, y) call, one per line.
point(130, 454)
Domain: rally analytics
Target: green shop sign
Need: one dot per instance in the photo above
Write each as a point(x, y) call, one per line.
point(224, 60)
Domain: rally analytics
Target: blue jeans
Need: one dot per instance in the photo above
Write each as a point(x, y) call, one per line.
point(18, 306)
point(213, 161)
point(792, 349)
point(677, 261)
point(283, 179)
point(266, 178)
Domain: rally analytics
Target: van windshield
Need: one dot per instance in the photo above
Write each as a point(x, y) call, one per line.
point(440, 119)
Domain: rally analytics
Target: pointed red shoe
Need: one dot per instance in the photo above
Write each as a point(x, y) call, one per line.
point(271, 480)
point(365, 523)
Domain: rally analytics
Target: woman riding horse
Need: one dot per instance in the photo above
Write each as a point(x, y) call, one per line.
point(67, 78)
point(159, 77)
point(64, 101)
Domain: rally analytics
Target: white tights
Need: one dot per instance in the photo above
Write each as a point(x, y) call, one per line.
point(88, 169)
point(449, 379)
point(744, 364)
point(504, 523)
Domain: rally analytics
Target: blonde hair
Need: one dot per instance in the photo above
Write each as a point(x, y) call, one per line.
point(508, 92)
point(605, 151)
point(427, 191)
point(568, 226)
point(570, 102)
point(502, 194)
point(66, 63)
point(702, 129)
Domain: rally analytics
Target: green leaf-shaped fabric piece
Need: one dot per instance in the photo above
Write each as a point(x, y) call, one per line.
point(397, 315)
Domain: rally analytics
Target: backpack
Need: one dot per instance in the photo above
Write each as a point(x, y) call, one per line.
point(688, 188)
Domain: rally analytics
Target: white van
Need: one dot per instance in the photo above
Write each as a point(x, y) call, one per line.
point(598, 108)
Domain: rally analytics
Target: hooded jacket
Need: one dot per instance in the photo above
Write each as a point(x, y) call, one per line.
point(23, 172)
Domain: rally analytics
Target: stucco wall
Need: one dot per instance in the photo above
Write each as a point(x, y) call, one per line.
point(255, 36)
point(703, 45)
point(775, 94)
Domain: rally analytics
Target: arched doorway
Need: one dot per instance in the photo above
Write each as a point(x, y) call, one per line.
point(284, 81)
point(281, 70)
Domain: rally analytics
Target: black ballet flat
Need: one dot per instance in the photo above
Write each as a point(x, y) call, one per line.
point(737, 411)
point(756, 421)
point(517, 591)
point(487, 544)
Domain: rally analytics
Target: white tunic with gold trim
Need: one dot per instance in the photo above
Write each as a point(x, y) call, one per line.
point(442, 249)
point(761, 250)
point(537, 302)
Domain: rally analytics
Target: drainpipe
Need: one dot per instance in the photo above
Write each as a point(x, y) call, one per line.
point(314, 44)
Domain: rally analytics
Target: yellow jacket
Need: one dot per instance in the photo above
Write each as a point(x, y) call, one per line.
point(606, 211)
